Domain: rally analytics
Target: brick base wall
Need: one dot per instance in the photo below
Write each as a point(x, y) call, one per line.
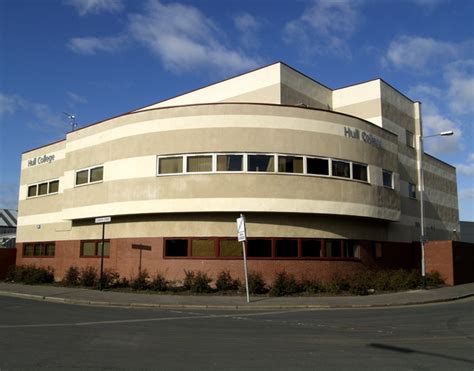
point(126, 261)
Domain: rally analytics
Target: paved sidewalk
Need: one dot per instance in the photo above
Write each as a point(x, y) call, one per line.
point(124, 299)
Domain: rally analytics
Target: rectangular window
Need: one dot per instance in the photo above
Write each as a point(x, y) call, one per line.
point(170, 165)
point(411, 190)
point(96, 174)
point(410, 139)
point(286, 248)
point(199, 164)
point(176, 248)
point(50, 249)
point(53, 186)
point(230, 162)
point(39, 249)
point(387, 178)
point(310, 248)
point(230, 248)
point(94, 248)
point(359, 172)
point(42, 189)
point(352, 249)
point(261, 163)
point(32, 190)
point(318, 166)
point(259, 248)
point(201, 247)
point(333, 248)
point(377, 250)
point(290, 164)
point(28, 250)
point(340, 168)
point(82, 177)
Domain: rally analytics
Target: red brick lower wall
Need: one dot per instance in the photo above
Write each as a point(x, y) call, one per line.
point(7, 260)
point(453, 259)
point(125, 260)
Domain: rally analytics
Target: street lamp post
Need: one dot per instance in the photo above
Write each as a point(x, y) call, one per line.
point(422, 205)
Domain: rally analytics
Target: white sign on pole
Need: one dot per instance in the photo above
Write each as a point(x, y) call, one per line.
point(241, 235)
point(105, 219)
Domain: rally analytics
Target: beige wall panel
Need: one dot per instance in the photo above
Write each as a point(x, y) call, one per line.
point(268, 94)
point(233, 140)
point(397, 99)
point(215, 224)
point(231, 186)
point(439, 183)
point(395, 115)
point(294, 97)
point(432, 211)
point(356, 93)
point(300, 85)
point(365, 110)
point(43, 172)
point(40, 205)
point(229, 88)
point(236, 115)
point(57, 149)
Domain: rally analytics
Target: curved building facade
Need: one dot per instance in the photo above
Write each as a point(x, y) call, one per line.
point(327, 180)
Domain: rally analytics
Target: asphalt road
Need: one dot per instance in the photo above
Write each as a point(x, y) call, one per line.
point(35, 335)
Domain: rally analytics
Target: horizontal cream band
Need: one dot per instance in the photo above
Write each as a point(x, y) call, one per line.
point(217, 121)
point(231, 205)
point(213, 205)
point(41, 160)
point(414, 221)
point(40, 219)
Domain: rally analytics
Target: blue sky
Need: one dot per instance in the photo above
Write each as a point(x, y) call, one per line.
point(100, 58)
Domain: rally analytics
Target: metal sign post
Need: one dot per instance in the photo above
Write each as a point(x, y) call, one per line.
point(242, 237)
point(103, 220)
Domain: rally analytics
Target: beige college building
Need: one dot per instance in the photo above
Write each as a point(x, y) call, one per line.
point(328, 181)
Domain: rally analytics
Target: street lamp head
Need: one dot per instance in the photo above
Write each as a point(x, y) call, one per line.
point(446, 133)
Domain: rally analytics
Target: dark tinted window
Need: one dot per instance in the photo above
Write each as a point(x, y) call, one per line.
point(340, 168)
point(286, 248)
point(310, 248)
point(317, 166)
point(259, 248)
point(176, 248)
point(359, 172)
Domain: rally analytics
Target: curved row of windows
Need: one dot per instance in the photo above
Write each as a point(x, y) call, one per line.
point(261, 162)
point(276, 248)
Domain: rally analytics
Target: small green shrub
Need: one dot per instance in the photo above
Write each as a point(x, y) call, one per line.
point(30, 274)
point(360, 283)
point(159, 283)
point(196, 282)
point(434, 279)
point(225, 282)
point(71, 278)
point(337, 284)
point(141, 281)
point(284, 284)
point(256, 283)
point(111, 279)
point(89, 277)
point(311, 286)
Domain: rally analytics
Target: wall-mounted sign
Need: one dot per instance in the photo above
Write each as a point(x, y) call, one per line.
point(362, 135)
point(45, 159)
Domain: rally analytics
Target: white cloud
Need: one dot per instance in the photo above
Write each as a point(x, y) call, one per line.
point(460, 78)
point(184, 38)
point(76, 98)
point(94, 45)
point(84, 7)
point(9, 104)
point(419, 53)
point(43, 116)
point(436, 123)
point(325, 26)
point(246, 22)
point(468, 167)
point(248, 27)
point(424, 90)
